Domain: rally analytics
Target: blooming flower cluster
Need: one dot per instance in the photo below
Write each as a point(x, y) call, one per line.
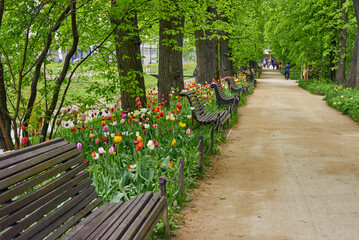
point(124, 147)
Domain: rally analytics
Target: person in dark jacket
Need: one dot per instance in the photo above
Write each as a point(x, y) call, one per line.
point(287, 71)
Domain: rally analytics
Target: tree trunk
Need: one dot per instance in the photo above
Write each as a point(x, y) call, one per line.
point(128, 56)
point(342, 43)
point(207, 54)
point(226, 65)
point(5, 121)
point(331, 71)
point(352, 78)
point(170, 67)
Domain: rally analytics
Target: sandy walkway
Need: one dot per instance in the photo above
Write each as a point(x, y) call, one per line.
point(290, 170)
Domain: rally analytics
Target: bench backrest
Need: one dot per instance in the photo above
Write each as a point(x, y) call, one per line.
point(43, 191)
point(196, 102)
point(219, 90)
point(231, 83)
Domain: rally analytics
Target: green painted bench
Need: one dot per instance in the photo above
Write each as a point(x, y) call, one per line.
point(45, 192)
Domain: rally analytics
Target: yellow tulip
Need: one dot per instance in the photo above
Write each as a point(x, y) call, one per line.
point(117, 139)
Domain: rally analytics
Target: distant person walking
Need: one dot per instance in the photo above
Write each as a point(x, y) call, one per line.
point(287, 71)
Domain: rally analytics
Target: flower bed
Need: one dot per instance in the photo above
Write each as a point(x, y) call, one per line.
point(127, 151)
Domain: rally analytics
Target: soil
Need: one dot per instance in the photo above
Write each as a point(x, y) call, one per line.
point(289, 170)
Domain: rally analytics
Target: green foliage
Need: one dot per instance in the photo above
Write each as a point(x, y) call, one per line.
point(344, 99)
point(306, 32)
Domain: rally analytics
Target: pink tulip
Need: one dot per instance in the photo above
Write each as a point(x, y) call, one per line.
point(101, 150)
point(112, 150)
point(105, 128)
point(188, 131)
point(79, 146)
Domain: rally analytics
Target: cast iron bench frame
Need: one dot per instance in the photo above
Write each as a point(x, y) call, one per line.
point(233, 86)
point(201, 114)
point(222, 98)
point(45, 192)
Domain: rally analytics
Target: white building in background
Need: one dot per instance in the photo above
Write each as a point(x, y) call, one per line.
point(149, 55)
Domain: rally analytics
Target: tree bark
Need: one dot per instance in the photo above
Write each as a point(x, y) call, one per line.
point(342, 43)
point(353, 77)
point(207, 53)
point(226, 65)
point(170, 66)
point(5, 121)
point(5, 125)
point(331, 71)
point(128, 56)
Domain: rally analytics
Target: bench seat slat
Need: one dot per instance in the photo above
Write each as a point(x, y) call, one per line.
point(85, 211)
point(4, 183)
point(38, 179)
point(30, 162)
point(86, 224)
point(27, 150)
point(86, 196)
point(45, 209)
point(146, 213)
point(150, 223)
point(54, 149)
point(61, 219)
point(95, 223)
point(19, 213)
point(121, 218)
point(120, 227)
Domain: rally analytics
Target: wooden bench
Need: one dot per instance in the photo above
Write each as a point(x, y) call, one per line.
point(233, 86)
point(45, 192)
point(222, 98)
point(201, 114)
point(250, 76)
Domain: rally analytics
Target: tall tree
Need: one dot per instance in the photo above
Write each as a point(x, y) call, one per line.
point(128, 54)
point(5, 121)
point(207, 50)
point(342, 42)
point(353, 76)
point(170, 66)
point(225, 62)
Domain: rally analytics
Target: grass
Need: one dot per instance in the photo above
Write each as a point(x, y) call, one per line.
point(343, 99)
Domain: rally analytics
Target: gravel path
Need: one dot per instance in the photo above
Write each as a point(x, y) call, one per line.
point(290, 170)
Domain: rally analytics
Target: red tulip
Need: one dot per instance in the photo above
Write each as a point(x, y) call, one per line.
point(24, 141)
